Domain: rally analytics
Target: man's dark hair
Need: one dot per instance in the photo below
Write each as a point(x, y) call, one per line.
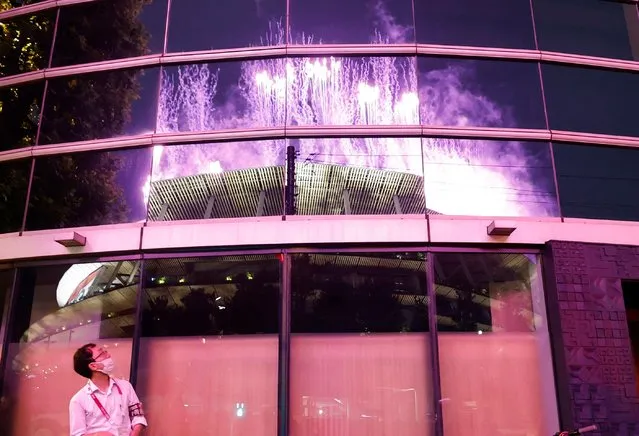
point(82, 358)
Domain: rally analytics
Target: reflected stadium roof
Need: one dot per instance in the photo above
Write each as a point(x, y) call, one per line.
point(322, 189)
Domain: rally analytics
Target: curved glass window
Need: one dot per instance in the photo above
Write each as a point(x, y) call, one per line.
point(591, 100)
point(106, 30)
point(351, 22)
point(486, 93)
point(489, 23)
point(100, 105)
point(25, 42)
point(360, 349)
point(359, 354)
point(493, 337)
point(209, 346)
point(349, 91)
point(357, 176)
point(208, 25)
point(595, 28)
point(89, 189)
point(598, 182)
point(220, 180)
point(60, 309)
point(14, 181)
point(20, 108)
point(477, 177)
point(8, 4)
point(217, 96)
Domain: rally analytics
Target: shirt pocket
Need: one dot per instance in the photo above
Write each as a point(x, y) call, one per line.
point(92, 410)
point(120, 415)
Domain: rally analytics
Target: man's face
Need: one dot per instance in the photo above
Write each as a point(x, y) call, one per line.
point(99, 354)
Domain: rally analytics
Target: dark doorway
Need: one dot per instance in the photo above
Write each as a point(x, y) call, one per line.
point(631, 301)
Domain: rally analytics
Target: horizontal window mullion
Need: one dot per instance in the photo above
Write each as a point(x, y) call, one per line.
point(378, 50)
point(147, 140)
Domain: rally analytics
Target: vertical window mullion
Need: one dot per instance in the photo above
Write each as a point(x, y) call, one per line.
point(284, 351)
point(5, 331)
point(137, 332)
point(434, 349)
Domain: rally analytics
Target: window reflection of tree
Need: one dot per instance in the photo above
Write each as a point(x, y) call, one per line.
point(84, 189)
point(25, 43)
point(249, 304)
point(335, 297)
point(75, 190)
point(483, 293)
point(14, 176)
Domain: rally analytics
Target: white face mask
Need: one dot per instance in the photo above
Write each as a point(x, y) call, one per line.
point(107, 366)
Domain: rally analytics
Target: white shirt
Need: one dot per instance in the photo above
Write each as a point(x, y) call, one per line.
point(86, 417)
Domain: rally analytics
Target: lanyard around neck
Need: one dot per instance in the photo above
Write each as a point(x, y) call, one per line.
point(99, 404)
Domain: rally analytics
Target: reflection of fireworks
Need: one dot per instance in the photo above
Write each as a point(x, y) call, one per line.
point(465, 177)
point(461, 176)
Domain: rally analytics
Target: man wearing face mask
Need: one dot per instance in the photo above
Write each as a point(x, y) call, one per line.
point(104, 406)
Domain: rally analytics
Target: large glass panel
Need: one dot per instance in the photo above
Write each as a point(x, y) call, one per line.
point(489, 23)
point(59, 309)
point(591, 100)
point(349, 91)
point(351, 22)
point(106, 30)
point(595, 28)
point(488, 178)
point(359, 347)
point(494, 355)
point(358, 176)
point(20, 108)
point(220, 180)
point(6, 282)
point(206, 25)
point(209, 346)
point(100, 105)
point(486, 93)
point(222, 96)
point(89, 189)
point(14, 181)
point(598, 182)
point(25, 42)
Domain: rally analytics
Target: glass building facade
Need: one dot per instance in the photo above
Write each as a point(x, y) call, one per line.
point(274, 212)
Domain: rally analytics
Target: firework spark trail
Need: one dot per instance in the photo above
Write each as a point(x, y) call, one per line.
point(462, 177)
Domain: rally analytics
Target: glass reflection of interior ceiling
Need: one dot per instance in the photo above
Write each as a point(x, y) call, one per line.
point(111, 297)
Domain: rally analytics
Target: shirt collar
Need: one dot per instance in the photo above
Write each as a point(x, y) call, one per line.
point(91, 387)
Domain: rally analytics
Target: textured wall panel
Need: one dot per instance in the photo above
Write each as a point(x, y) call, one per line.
point(593, 334)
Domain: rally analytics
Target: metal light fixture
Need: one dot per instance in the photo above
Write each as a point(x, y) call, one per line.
point(73, 240)
point(500, 228)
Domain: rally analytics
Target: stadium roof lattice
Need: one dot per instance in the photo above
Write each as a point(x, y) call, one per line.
point(321, 189)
